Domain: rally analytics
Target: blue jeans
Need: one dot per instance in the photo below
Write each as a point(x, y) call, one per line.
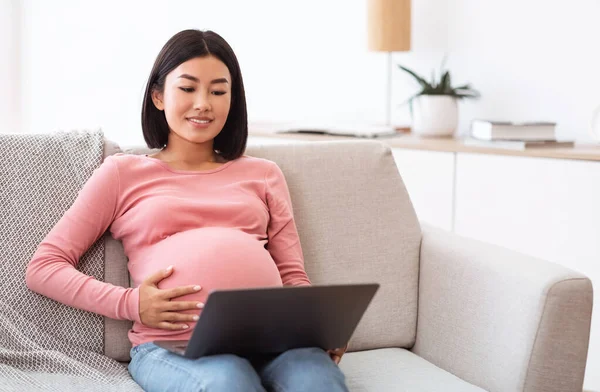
point(304, 369)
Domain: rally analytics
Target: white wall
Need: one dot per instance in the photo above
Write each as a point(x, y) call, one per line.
point(10, 28)
point(303, 60)
point(85, 63)
point(531, 59)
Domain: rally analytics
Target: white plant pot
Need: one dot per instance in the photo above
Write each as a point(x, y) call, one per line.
point(434, 115)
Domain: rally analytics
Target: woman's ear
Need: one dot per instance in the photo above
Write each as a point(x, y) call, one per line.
point(157, 99)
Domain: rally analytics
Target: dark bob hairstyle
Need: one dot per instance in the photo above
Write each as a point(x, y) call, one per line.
point(183, 46)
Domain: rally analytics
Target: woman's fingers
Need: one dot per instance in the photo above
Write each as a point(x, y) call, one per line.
point(336, 354)
point(182, 305)
point(180, 291)
point(172, 326)
point(172, 316)
point(156, 277)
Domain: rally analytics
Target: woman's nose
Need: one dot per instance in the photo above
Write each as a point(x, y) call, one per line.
point(202, 103)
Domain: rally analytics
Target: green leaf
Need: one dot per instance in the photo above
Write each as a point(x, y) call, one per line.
point(424, 84)
point(463, 87)
point(441, 87)
point(470, 94)
point(438, 90)
point(443, 66)
point(445, 83)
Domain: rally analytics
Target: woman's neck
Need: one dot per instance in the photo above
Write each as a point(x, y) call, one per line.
point(190, 157)
point(188, 153)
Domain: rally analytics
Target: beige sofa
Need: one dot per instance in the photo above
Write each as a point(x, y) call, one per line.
point(452, 314)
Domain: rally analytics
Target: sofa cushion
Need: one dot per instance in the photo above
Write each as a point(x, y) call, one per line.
point(46, 345)
point(356, 224)
point(398, 370)
point(40, 177)
point(116, 342)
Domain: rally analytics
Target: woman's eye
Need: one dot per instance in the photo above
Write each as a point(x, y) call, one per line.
point(187, 89)
point(219, 92)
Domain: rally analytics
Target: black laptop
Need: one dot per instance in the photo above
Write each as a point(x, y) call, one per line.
point(274, 320)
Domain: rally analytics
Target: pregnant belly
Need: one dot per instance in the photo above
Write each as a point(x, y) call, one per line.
point(214, 258)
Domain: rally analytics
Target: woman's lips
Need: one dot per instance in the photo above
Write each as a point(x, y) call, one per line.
point(200, 124)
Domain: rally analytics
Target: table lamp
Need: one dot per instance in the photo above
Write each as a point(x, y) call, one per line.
point(389, 31)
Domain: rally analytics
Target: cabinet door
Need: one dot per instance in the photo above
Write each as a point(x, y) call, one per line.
point(428, 177)
point(548, 208)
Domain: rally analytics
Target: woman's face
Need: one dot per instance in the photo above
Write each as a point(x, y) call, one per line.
point(196, 99)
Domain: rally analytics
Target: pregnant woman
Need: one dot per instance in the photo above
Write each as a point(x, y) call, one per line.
point(196, 216)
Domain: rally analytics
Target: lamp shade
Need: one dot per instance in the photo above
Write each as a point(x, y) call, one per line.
point(389, 25)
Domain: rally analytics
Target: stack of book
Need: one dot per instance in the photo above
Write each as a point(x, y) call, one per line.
point(517, 136)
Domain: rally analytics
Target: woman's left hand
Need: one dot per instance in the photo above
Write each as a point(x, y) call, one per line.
point(336, 355)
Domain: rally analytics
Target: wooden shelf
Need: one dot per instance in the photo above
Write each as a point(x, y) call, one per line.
point(588, 152)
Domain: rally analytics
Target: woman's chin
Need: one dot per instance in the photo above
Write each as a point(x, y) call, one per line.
point(196, 136)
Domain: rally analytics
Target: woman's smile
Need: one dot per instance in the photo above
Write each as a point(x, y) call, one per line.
point(200, 123)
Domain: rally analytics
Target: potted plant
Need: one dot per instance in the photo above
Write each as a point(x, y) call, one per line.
point(434, 108)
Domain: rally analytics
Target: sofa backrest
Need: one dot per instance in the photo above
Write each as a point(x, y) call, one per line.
point(356, 224)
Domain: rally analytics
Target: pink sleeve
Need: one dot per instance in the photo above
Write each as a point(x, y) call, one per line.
point(283, 241)
point(52, 271)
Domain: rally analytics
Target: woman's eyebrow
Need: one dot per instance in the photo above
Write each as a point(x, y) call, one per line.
point(195, 79)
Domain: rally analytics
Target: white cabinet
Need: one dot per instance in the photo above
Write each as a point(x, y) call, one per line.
point(548, 208)
point(428, 177)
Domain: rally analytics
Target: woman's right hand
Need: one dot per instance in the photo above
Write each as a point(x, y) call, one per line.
point(156, 308)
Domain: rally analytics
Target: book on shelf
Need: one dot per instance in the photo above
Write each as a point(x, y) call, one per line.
point(502, 130)
point(519, 145)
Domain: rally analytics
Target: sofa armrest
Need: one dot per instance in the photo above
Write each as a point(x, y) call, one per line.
point(499, 319)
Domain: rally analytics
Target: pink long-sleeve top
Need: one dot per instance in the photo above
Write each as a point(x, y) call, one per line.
point(229, 227)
